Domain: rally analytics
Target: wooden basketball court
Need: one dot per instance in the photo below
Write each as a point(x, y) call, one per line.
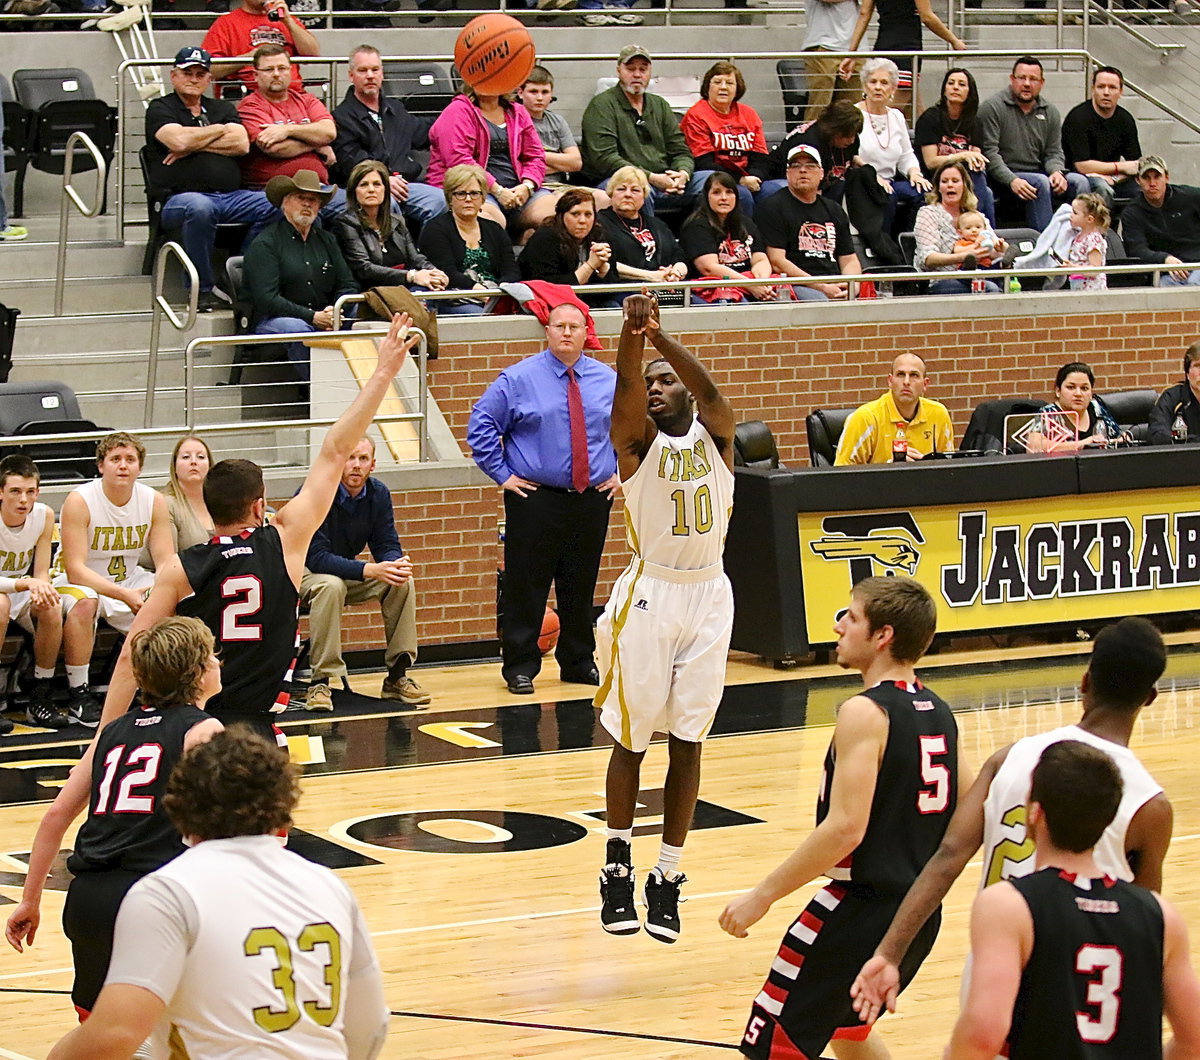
point(472, 835)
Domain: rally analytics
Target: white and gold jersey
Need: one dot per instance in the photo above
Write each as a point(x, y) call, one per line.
point(678, 502)
point(18, 544)
point(116, 533)
point(1008, 850)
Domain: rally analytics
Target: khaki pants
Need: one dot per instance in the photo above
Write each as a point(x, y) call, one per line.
point(327, 595)
point(824, 85)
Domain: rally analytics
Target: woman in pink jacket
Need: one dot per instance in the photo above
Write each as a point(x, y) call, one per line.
point(497, 134)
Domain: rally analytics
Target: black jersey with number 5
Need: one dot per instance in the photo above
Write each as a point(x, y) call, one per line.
point(244, 594)
point(1092, 987)
point(126, 827)
point(915, 794)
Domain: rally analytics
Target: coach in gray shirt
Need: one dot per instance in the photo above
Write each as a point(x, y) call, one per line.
point(1021, 135)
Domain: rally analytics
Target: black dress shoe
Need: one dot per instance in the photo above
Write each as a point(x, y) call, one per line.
point(521, 685)
point(590, 676)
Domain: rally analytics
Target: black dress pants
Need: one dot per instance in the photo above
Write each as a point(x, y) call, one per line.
point(551, 536)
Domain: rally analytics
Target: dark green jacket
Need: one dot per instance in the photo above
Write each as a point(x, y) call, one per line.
point(612, 138)
point(291, 277)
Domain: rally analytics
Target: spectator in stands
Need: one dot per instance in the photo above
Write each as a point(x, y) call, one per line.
point(295, 270)
point(541, 433)
point(193, 143)
point(643, 247)
point(190, 522)
point(948, 132)
point(562, 152)
point(372, 125)
point(496, 135)
point(9, 233)
point(902, 420)
point(361, 517)
point(1100, 138)
point(900, 24)
point(829, 27)
point(885, 145)
point(375, 240)
point(1177, 409)
point(600, 12)
point(1021, 137)
point(571, 248)
point(289, 128)
point(473, 251)
point(805, 233)
point(725, 134)
point(718, 240)
point(1162, 225)
point(836, 135)
point(627, 126)
point(245, 29)
point(1074, 392)
point(936, 233)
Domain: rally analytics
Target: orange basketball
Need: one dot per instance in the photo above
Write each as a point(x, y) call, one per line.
point(494, 54)
point(549, 637)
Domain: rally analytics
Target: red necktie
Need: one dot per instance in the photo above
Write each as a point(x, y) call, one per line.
point(581, 476)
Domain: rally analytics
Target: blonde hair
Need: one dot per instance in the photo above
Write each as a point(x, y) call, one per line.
point(1096, 208)
point(457, 178)
point(627, 175)
point(173, 488)
point(169, 659)
point(972, 215)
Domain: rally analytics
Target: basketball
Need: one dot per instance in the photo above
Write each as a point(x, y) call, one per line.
point(549, 635)
point(494, 54)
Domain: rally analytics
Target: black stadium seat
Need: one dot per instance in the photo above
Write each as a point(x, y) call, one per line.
point(824, 428)
point(985, 431)
point(16, 140)
point(1131, 408)
point(793, 83)
point(47, 408)
point(424, 88)
point(754, 446)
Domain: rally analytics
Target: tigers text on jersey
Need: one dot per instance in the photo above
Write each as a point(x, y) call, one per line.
point(678, 501)
point(18, 544)
point(244, 594)
point(915, 793)
point(126, 827)
point(116, 533)
point(254, 951)
point(1092, 987)
point(1008, 851)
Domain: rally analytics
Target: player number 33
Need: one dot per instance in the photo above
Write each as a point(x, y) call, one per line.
point(268, 939)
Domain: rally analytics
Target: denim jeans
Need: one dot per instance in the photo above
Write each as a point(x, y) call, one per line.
point(297, 352)
point(424, 202)
point(1167, 280)
point(953, 286)
point(1039, 211)
point(197, 214)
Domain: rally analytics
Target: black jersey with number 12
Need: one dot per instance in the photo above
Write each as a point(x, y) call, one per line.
point(915, 794)
point(244, 594)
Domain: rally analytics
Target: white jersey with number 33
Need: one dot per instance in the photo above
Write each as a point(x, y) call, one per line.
point(677, 503)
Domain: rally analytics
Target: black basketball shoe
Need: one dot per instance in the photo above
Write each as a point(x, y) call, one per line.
point(662, 905)
point(618, 914)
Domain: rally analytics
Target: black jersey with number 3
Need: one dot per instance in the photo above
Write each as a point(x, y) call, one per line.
point(126, 827)
point(1092, 988)
point(915, 794)
point(244, 594)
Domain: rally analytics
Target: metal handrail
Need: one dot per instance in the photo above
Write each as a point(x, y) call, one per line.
point(162, 306)
point(1092, 10)
point(220, 341)
point(69, 193)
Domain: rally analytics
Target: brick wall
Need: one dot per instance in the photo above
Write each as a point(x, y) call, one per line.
point(772, 368)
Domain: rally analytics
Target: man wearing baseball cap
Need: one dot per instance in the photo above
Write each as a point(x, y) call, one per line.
point(193, 143)
point(807, 234)
point(627, 126)
point(294, 269)
point(1162, 224)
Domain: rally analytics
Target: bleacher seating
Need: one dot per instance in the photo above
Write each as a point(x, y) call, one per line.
point(47, 407)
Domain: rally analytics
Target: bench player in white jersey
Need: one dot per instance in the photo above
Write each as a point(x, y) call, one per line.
point(663, 639)
point(105, 525)
point(26, 595)
point(238, 949)
point(1070, 963)
point(1127, 660)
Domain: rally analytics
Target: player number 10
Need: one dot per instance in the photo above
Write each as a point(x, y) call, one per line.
point(701, 502)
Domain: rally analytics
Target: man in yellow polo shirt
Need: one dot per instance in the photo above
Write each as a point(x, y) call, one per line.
point(902, 424)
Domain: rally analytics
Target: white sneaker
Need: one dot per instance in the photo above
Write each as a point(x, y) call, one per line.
point(598, 18)
point(628, 19)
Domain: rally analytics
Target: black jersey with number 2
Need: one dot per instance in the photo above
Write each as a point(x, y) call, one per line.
point(126, 827)
point(1092, 988)
point(915, 794)
point(244, 594)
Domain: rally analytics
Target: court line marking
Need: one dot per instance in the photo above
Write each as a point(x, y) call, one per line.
point(13, 1056)
point(40, 971)
point(558, 1027)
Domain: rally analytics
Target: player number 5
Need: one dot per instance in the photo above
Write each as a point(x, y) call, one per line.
point(935, 774)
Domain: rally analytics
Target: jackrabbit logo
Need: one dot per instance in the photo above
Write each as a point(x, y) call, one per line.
point(875, 543)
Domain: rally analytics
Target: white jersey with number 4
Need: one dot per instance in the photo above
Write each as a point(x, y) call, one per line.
point(677, 503)
point(254, 950)
point(116, 533)
point(1008, 851)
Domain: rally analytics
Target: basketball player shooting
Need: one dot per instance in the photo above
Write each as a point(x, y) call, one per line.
point(663, 639)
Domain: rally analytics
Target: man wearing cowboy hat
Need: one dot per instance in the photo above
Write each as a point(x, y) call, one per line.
point(294, 269)
point(193, 143)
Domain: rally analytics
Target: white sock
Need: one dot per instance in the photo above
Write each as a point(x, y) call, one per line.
point(620, 833)
point(668, 860)
point(77, 675)
point(43, 673)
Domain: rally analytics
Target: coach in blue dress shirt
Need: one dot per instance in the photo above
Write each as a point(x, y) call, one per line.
point(541, 432)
